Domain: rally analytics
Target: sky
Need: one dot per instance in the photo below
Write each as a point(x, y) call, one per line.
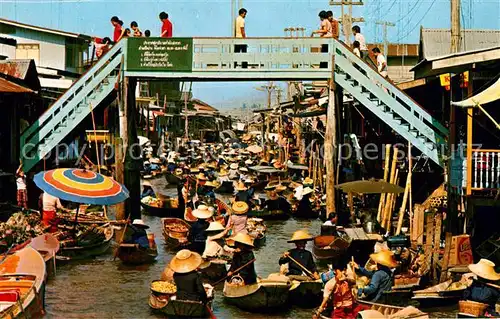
point(212, 18)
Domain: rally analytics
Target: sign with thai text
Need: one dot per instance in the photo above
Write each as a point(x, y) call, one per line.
point(160, 54)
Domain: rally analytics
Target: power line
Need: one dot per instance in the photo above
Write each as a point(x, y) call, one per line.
point(418, 23)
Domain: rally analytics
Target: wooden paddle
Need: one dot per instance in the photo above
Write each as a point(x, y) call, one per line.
point(310, 274)
point(234, 272)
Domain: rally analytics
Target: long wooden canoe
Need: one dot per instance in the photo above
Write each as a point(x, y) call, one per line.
point(83, 252)
point(175, 231)
point(134, 255)
point(48, 246)
point(22, 284)
point(214, 269)
point(329, 247)
point(264, 296)
point(306, 294)
point(174, 308)
point(385, 310)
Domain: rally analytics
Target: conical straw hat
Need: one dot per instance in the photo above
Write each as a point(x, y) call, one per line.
point(185, 261)
point(384, 258)
point(300, 235)
point(241, 187)
point(243, 239)
point(485, 269)
point(240, 208)
point(215, 226)
point(202, 212)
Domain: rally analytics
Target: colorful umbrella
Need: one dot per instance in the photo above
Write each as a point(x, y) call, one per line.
point(371, 186)
point(81, 186)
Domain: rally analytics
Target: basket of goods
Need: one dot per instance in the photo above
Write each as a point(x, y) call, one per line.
point(476, 309)
point(456, 289)
point(177, 230)
point(163, 289)
point(19, 228)
point(151, 201)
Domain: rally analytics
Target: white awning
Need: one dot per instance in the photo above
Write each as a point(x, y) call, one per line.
point(489, 95)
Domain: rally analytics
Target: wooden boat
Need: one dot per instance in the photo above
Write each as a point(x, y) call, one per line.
point(269, 215)
point(385, 310)
point(225, 188)
point(175, 231)
point(165, 211)
point(133, 254)
point(329, 247)
point(172, 179)
point(438, 295)
point(266, 295)
point(306, 294)
point(83, 252)
point(22, 284)
point(214, 269)
point(48, 246)
point(257, 230)
point(188, 215)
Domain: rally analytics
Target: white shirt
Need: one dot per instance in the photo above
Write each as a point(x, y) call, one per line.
point(51, 203)
point(362, 42)
point(325, 24)
point(240, 23)
point(382, 64)
point(357, 52)
point(21, 182)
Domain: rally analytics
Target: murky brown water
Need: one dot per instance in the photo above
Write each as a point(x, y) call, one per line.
point(103, 288)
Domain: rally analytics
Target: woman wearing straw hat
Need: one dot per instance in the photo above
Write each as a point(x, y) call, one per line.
point(484, 289)
point(186, 277)
point(304, 208)
point(147, 190)
point(241, 193)
point(234, 174)
point(215, 248)
point(299, 255)
point(237, 222)
point(381, 279)
point(197, 234)
point(243, 257)
point(136, 234)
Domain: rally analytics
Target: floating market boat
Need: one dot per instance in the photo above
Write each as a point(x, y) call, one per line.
point(443, 294)
point(257, 230)
point(214, 269)
point(167, 210)
point(329, 247)
point(226, 187)
point(172, 179)
point(385, 310)
point(133, 254)
point(175, 231)
point(22, 284)
point(94, 243)
point(306, 294)
point(48, 246)
point(266, 295)
point(269, 214)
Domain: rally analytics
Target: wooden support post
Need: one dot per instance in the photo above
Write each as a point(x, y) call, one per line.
point(120, 208)
point(392, 180)
point(410, 197)
point(386, 176)
point(437, 242)
point(331, 143)
point(446, 257)
point(429, 238)
point(470, 118)
point(403, 204)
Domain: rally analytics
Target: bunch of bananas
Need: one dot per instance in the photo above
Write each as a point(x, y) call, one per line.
point(164, 287)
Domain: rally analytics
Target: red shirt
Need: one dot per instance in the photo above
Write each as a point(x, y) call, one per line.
point(167, 26)
point(117, 33)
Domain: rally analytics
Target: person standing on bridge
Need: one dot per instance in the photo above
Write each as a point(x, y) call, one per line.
point(167, 27)
point(381, 62)
point(118, 29)
point(240, 33)
point(365, 55)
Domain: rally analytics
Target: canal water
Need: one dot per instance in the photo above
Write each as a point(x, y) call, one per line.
point(105, 288)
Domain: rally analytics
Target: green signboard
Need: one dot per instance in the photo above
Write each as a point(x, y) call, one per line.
point(160, 54)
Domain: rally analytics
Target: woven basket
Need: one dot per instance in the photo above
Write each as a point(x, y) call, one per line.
point(471, 307)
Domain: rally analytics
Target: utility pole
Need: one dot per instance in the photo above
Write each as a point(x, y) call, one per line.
point(233, 17)
point(347, 19)
point(385, 24)
point(455, 26)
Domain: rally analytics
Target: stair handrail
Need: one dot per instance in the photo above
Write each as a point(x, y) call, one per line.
point(69, 93)
point(394, 89)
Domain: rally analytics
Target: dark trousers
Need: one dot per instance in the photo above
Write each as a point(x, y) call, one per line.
point(241, 48)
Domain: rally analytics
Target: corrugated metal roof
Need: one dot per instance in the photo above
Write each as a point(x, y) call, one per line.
point(437, 42)
point(9, 87)
point(15, 68)
point(201, 106)
point(47, 30)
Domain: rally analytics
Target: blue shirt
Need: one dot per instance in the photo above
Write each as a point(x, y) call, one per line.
point(480, 292)
point(381, 280)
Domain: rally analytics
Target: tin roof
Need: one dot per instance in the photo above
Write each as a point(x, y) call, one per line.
point(203, 107)
point(437, 42)
point(10, 87)
point(23, 70)
point(46, 30)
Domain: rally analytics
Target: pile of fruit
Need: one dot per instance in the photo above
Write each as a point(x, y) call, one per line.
point(86, 235)
point(20, 227)
point(152, 201)
point(163, 287)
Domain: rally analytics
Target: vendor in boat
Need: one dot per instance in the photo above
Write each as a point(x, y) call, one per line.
point(381, 279)
point(242, 193)
point(299, 254)
point(201, 180)
point(237, 222)
point(233, 172)
point(304, 208)
point(186, 277)
point(339, 290)
point(210, 189)
point(249, 184)
point(243, 255)
point(147, 190)
point(484, 289)
point(136, 234)
point(197, 234)
point(215, 248)
point(50, 205)
point(223, 176)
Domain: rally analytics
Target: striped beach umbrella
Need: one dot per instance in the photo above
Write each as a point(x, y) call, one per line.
point(81, 186)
